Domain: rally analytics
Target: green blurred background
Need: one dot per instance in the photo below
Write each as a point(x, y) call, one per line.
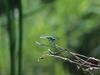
point(76, 24)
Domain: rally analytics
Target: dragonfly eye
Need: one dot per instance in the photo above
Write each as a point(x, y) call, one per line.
point(51, 39)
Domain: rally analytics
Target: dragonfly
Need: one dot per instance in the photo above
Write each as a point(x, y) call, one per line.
point(87, 64)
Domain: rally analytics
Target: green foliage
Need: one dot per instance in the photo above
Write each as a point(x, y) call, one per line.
point(69, 20)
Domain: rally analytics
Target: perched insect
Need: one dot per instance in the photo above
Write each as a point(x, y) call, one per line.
point(50, 38)
point(87, 64)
